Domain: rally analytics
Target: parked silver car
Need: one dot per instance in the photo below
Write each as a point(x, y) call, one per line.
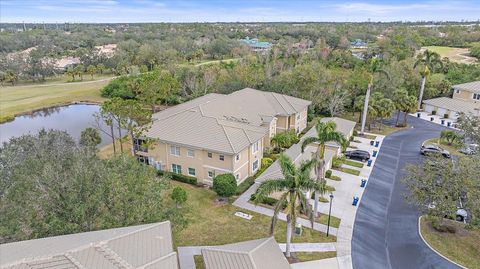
point(431, 149)
point(469, 149)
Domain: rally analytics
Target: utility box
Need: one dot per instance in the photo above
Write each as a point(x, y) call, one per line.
point(298, 229)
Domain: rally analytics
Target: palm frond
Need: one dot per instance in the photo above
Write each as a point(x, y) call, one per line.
point(307, 141)
point(270, 186)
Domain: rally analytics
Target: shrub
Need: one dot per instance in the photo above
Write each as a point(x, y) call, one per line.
point(267, 200)
point(434, 112)
point(118, 87)
point(179, 177)
point(328, 174)
point(445, 116)
point(355, 133)
point(337, 162)
point(245, 185)
point(179, 195)
point(443, 228)
point(329, 188)
point(225, 185)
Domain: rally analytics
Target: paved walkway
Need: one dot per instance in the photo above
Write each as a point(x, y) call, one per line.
point(243, 202)
point(342, 208)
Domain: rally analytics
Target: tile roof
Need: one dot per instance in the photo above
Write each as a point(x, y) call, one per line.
point(142, 246)
point(473, 86)
point(295, 152)
point(223, 123)
point(455, 105)
point(262, 253)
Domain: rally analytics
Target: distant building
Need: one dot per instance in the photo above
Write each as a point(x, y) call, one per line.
point(255, 44)
point(147, 246)
point(358, 44)
point(466, 99)
point(65, 62)
point(107, 50)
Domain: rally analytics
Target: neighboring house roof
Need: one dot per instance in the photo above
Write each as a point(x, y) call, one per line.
point(255, 254)
point(142, 246)
point(253, 42)
point(455, 105)
point(295, 151)
point(473, 86)
point(223, 123)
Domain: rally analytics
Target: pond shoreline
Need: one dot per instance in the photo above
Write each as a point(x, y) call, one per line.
point(32, 111)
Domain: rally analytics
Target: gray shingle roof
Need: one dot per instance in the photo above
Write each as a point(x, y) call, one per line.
point(473, 86)
point(455, 105)
point(223, 123)
point(255, 254)
point(148, 246)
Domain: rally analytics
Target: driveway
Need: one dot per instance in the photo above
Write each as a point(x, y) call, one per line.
point(386, 227)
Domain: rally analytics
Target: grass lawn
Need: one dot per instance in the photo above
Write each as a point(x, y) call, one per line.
point(379, 128)
point(354, 163)
point(106, 151)
point(213, 224)
point(20, 99)
point(462, 247)
point(459, 55)
point(312, 256)
point(350, 171)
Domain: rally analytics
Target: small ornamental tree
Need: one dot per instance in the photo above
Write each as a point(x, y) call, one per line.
point(225, 185)
point(179, 196)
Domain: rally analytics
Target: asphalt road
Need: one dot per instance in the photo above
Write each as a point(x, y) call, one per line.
point(386, 227)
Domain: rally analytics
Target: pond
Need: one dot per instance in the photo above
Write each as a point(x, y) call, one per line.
point(72, 118)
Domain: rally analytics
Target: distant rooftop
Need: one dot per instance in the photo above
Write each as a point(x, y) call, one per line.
point(254, 43)
point(473, 86)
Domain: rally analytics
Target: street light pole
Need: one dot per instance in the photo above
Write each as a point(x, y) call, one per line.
point(329, 213)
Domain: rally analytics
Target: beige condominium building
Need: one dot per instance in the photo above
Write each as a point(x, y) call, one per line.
point(465, 99)
point(216, 133)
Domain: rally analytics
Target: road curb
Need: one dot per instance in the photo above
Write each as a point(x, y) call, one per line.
point(426, 243)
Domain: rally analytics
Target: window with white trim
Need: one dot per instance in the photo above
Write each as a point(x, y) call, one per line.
point(210, 155)
point(175, 150)
point(221, 157)
point(176, 168)
point(191, 153)
point(210, 174)
point(255, 147)
point(191, 171)
point(476, 96)
point(255, 166)
point(237, 157)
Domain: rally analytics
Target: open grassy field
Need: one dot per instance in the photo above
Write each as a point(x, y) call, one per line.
point(214, 224)
point(15, 100)
point(459, 55)
point(462, 247)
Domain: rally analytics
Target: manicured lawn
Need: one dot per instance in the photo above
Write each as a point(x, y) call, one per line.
point(213, 224)
point(334, 221)
point(462, 247)
point(19, 99)
point(312, 256)
point(354, 163)
point(348, 171)
point(460, 55)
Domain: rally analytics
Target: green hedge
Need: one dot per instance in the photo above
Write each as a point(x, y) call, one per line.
point(267, 201)
point(328, 174)
point(245, 185)
point(179, 177)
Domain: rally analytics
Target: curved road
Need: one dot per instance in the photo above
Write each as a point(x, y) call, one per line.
point(386, 227)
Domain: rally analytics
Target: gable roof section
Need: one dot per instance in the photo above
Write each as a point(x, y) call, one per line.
point(473, 86)
point(142, 246)
point(223, 123)
point(455, 105)
point(343, 126)
point(255, 254)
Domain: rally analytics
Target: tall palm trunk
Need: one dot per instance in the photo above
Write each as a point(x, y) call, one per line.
point(365, 109)
point(289, 236)
point(422, 88)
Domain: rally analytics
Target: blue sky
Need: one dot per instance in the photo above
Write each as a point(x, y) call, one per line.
point(234, 10)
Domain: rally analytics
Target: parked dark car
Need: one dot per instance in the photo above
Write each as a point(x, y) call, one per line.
point(430, 149)
point(358, 154)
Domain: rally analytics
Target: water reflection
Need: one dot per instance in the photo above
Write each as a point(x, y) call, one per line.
point(73, 119)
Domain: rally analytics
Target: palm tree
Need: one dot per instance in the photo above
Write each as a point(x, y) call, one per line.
point(294, 184)
point(430, 61)
point(374, 68)
point(325, 133)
